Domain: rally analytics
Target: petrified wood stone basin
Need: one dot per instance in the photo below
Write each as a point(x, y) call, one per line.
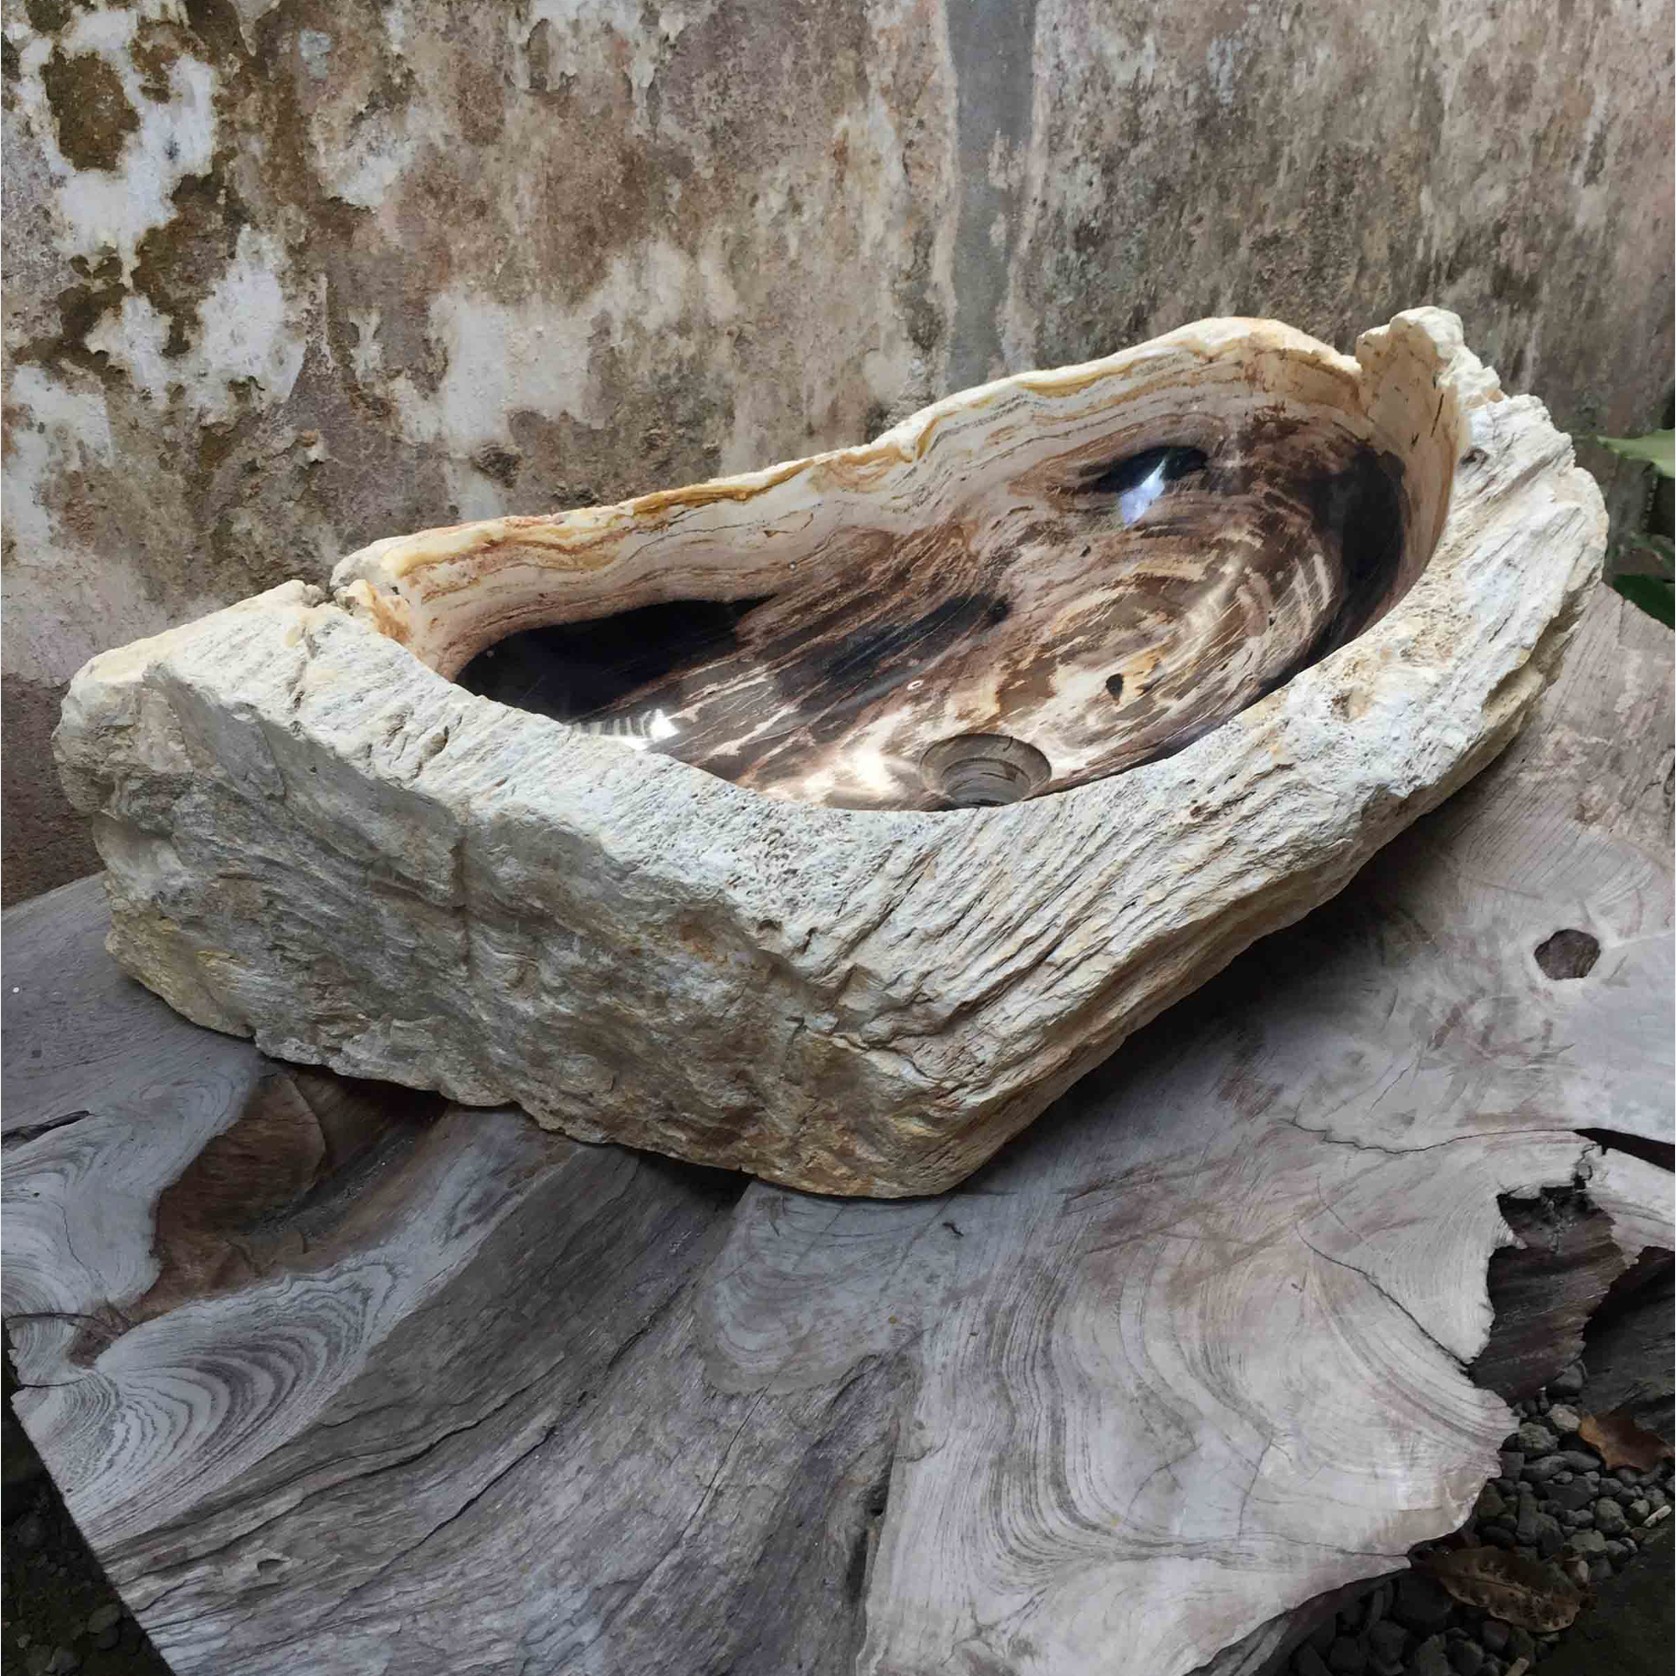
point(1096, 603)
point(826, 821)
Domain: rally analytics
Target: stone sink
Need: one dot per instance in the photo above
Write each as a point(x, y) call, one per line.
point(825, 822)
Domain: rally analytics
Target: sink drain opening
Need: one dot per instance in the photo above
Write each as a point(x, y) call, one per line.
point(984, 770)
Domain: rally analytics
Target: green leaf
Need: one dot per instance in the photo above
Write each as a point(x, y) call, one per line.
point(1657, 448)
point(1656, 597)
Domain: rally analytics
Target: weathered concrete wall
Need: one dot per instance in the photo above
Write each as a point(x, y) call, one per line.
point(285, 276)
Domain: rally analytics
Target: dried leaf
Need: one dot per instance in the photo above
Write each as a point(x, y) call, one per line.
point(1621, 1443)
point(1508, 1586)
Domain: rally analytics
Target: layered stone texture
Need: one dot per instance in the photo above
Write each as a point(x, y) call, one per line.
point(317, 838)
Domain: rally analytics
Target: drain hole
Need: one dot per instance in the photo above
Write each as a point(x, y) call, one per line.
point(1568, 954)
point(983, 770)
point(1114, 685)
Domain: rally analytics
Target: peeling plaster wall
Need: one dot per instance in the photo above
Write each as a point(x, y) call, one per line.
point(283, 277)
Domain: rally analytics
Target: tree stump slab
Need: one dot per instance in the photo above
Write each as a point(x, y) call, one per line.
point(339, 1378)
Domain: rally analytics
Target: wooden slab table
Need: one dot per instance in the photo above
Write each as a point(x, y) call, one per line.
point(338, 1378)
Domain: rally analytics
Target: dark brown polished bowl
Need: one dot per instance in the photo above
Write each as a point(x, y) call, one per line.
point(1027, 587)
point(1115, 607)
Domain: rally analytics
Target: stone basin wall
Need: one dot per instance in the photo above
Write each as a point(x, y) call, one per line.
point(285, 278)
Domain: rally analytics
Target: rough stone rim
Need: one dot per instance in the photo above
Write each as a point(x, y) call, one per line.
point(372, 584)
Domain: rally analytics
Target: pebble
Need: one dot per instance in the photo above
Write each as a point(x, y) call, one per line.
point(1430, 1658)
point(1639, 1509)
point(1586, 1542)
point(29, 1532)
point(1609, 1518)
point(1497, 1538)
point(1600, 1568)
point(1386, 1641)
point(1569, 1497)
point(1493, 1633)
point(1307, 1662)
point(65, 1662)
point(1421, 1603)
point(1347, 1657)
point(1580, 1460)
point(1490, 1503)
point(1537, 1529)
point(1564, 1420)
point(1519, 1644)
point(1540, 1472)
point(107, 1639)
point(1512, 1463)
point(1467, 1657)
point(104, 1617)
point(1535, 1439)
point(1568, 1382)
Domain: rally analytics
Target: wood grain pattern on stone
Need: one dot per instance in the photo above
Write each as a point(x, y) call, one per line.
point(315, 838)
point(1193, 1351)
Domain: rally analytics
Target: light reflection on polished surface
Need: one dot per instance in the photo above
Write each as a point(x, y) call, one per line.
point(1102, 610)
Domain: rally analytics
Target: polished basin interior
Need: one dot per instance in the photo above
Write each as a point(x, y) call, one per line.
point(1099, 610)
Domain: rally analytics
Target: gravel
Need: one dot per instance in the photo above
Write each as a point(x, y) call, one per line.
point(1466, 1658)
point(1430, 1658)
point(1553, 1500)
point(1491, 1504)
point(1386, 1642)
point(1421, 1602)
point(1570, 1498)
point(1347, 1657)
point(1567, 1383)
point(1580, 1460)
